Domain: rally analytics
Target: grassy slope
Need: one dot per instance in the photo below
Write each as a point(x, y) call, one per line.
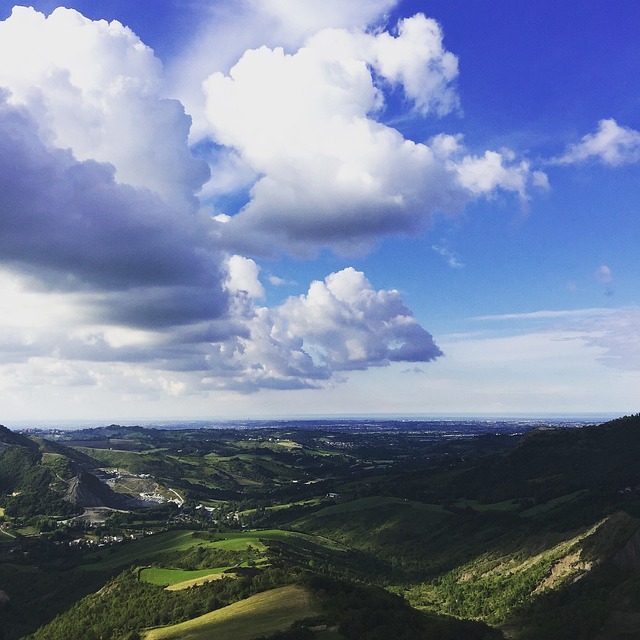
point(262, 614)
point(492, 585)
point(144, 550)
point(375, 523)
point(515, 554)
point(196, 582)
point(167, 577)
point(153, 548)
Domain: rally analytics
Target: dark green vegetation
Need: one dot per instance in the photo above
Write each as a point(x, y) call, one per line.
point(110, 532)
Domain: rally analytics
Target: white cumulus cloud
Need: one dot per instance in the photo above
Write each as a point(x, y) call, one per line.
point(243, 276)
point(612, 144)
point(227, 30)
point(329, 173)
point(94, 88)
point(341, 324)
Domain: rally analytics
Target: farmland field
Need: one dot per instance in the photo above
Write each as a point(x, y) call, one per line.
point(167, 577)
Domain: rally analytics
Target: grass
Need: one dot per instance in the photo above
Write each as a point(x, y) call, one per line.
point(289, 444)
point(240, 542)
point(551, 504)
point(373, 502)
point(361, 504)
point(145, 550)
point(280, 534)
point(276, 445)
point(168, 577)
point(48, 456)
point(375, 523)
point(142, 550)
point(262, 614)
point(196, 582)
point(505, 505)
point(27, 531)
point(307, 502)
point(116, 458)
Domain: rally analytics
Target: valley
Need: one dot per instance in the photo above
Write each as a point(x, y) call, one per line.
point(125, 532)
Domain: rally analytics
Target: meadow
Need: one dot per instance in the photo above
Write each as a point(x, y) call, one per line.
point(262, 614)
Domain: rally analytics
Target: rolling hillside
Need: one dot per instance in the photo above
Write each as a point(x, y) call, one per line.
point(259, 615)
point(539, 538)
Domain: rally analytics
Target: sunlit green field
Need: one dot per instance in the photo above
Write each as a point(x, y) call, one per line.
point(144, 551)
point(196, 582)
point(166, 577)
point(262, 614)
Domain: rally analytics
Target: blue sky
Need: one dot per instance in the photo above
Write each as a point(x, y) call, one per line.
point(288, 207)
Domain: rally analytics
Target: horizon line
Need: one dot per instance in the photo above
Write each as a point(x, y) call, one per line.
point(480, 416)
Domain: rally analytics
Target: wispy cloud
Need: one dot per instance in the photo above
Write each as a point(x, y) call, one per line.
point(547, 314)
point(614, 332)
point(605, 275)
point(452, 259)
point(277, 281)
point(619, 335)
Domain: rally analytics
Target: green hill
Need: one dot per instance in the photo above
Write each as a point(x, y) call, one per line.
point(527, 538)
point(262, 614)
point(29, 485)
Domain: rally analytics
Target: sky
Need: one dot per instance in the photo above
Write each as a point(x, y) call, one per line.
point(269, 208)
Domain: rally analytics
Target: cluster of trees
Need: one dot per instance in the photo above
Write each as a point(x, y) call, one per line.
point(126, 605)
point(364, 612)
point(29, 488)
point(491, 596)
point(207, 557)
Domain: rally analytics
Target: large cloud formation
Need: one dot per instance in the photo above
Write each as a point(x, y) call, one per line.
point(111, 272)
point(93, 87)
point(117, 266)
point(327, 171)
point(144, 283)
point(341, 324)
point(226, 31)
